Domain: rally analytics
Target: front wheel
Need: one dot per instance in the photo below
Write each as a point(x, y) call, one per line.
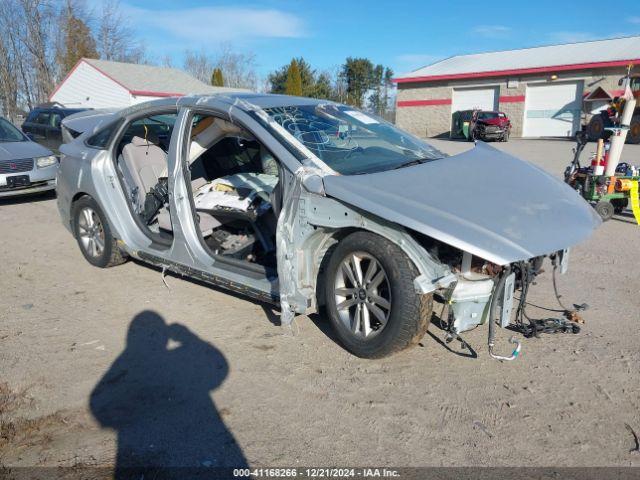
point(93, 234)
point(371, 298)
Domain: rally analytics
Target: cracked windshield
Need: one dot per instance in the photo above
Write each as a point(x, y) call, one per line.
point(352, 142)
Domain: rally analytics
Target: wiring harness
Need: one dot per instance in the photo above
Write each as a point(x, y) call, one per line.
point(533, 327)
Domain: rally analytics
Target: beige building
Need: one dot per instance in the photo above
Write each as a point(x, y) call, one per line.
point(546, 91)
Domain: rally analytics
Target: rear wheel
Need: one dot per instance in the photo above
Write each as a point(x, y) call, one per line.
point(371, 299)
point(634, 130)
point(93, 234)
point(619, 204)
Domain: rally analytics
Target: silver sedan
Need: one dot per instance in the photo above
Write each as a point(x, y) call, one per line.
point(308, 204)
point(25, 166)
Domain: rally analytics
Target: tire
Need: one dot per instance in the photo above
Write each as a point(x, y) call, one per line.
point(408, 314)
point(619, 204)
point(633, 136)
point(505, 137)
point(93, 234)
point(595, 129)
point(605, 209)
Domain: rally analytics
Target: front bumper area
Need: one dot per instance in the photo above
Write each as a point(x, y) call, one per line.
point(33, 188)
point(491, 133)
point(40, 180)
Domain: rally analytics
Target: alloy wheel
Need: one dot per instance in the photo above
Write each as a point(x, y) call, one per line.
point(362, 295)
point(91, 232)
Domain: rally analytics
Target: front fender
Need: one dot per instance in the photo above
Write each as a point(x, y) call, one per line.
point(311, 223)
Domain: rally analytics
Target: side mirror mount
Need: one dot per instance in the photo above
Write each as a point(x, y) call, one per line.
point(30, 137)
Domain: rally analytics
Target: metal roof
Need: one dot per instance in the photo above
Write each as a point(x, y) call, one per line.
point(149, 80)
point(571, 56)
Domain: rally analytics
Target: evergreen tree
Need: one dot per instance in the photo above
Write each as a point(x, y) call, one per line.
point(217, 79)
point(358, 74)
point(293, 85)
point(77, 41)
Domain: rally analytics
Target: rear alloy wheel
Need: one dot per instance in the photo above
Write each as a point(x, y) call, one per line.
point(634, 130)
point(371, 299)
point(94, 235)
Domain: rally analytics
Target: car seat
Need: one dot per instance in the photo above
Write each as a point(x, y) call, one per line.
point(144, 162)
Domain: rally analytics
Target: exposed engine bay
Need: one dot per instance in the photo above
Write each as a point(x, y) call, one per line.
point(484, 292)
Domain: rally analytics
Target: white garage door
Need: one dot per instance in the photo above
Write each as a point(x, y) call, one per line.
point(474, 98)
point(552, 110)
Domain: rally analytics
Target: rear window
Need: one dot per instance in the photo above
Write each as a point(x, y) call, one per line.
point(101, 139)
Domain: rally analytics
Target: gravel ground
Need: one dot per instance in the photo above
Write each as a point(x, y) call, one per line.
point(208, 377)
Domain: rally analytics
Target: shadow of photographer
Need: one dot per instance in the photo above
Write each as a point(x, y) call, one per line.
point(157, 397)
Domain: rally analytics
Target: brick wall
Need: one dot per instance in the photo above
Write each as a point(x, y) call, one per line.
point(433, 117)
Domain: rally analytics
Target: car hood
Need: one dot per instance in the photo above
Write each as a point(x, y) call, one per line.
point(17, 150)
point(483, 201)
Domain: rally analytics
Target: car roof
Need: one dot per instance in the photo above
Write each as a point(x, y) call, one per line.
point(248, 101)
point(245, 101)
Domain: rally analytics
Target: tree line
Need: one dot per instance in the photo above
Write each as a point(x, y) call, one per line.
point(41, 41)
point(357, 82)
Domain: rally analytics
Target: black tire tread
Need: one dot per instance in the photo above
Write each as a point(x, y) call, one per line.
point(415, 309)
point(116, 255)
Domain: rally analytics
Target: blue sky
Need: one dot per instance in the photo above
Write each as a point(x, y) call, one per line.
point(404, 34)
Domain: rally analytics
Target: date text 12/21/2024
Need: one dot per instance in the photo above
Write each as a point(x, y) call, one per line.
point(316, 473)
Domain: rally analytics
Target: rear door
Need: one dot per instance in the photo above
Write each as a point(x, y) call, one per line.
point(39, 127)
point(31, 127)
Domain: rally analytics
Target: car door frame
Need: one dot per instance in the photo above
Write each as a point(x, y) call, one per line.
point(188, 254)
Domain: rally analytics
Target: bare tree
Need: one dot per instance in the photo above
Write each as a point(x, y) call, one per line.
point(39, 17)
point(8, 81)
point(28, 30)
point(239, 69)
point(198, 65)
point(115, 38)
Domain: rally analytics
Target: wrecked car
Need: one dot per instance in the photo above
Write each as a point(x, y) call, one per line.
point(316, 206)
point(487, 126)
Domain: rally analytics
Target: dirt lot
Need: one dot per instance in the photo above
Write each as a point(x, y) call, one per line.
point(210, 378)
